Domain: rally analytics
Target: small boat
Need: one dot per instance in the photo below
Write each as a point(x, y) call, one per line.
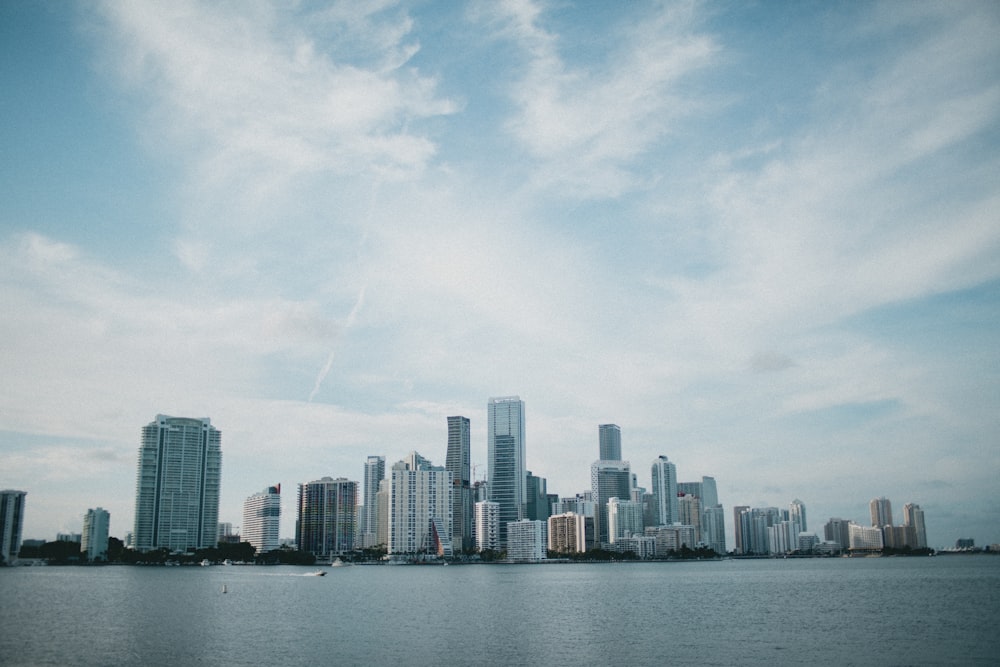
point(336, 562)
point(317, 573)
point(206, 563)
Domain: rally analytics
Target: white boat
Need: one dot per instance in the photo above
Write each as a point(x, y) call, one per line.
point(336, 562)
point(317, 573)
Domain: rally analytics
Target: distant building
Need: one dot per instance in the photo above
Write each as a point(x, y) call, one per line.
point(664, 475)
point(913, 517)
point(227, 534)
point(458, 463)
point(689, 511)
point(326, 515)
point(624, 519)
point(807, 542)
point(881, 511)
point(94, 541)
point(384, 501)
point(177, 485)
point(610, 442)
point(567, 533)
point(420, 514)
point(865, 538)
point(643, 546)
point(608, 479)
point(671, 538)
point(526, 541)
point(713, 528)
point(507, 468)
point(11, 524)
point(797, 513)
point(838, 532)
point(262, 519)
point(738, 513)
point(487, 526)
point(537, 508)
point(374, 474)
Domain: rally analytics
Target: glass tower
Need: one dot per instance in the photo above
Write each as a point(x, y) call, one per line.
point(610, 441)
point(457, 462)
point(507, 470)
point(665, 491)
point(177, 485)
point(374, 474)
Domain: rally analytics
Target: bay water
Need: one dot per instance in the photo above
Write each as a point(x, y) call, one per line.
point(862, 611)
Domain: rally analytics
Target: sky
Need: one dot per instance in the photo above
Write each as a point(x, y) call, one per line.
point(763, 238)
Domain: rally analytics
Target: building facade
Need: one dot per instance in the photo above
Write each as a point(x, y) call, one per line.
point(567, 533)
point(178, 482)
point(608, 479)
point(624, 519)
point(94, 540)
point(325, 525)
point(262, 519)
point(506, 453)
point(458, 463)
point(610, 442)
point(420, 513)
point(11, 524)
point(881, 511)
point(487, 526)
point(664, 477)
point(913, 517)
point(374, 474)
point(527, 541)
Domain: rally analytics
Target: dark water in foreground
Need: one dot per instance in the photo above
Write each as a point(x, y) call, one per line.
point(890, 611)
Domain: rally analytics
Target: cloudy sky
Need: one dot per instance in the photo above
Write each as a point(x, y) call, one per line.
point(764, 239)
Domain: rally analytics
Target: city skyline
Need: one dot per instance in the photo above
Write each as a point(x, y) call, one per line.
point(761, 238)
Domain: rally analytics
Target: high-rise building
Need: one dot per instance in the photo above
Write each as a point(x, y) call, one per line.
point(838, 532)
point(374, 474)
point(262, 519)
point(713, 528)
point(458, 463)
point(527, 541)
point(487, 526)
point(11, 524)
point(94, 541)
point(384, 501)
point(420, 513)
point(797, 513)
point(326, 516)
point(624, 519)
point(664, 475)
point(610, 442)
point(865, 538)
point(739, 511)
point(537, 508)
point(913, 517)
point(881, 511)
point(608, 479)
point(507, 468)
point(178, 482)
point(689, 513)
point(567, 533)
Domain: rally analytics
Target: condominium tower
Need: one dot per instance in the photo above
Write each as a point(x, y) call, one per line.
point(608, 479)
point(457, 462)
point(326, 516)
point(664, 475)
point(507, 468)
point(374, 474)
point(177, 485)
point(881, 511)
point(262, 519)
point(94, 540)
point(420, 515)
point(11, 523)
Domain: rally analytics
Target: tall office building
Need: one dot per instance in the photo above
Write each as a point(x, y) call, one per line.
point(487, 526)
point(881, 511)
point(739, 511)
point(608, 479)
point(326, 516)
point(177, 485)
point(537, 507)
point(262, 519)
point(94, 541)
point(458, 463)
point(507, 468)
point(11, 523)
point(664, 475)
point(374, 474)
point(610, 442)
point(420, 515)
point(797, 514)
point(913, 517)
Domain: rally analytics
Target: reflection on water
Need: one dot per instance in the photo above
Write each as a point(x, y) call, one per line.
point(897, 611)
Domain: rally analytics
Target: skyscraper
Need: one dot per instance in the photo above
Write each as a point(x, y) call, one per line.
point(11, 523)
point(262, 519)
point(881, 511)
point(507, 469)
point(420, 516)
point(664, 475)
point(374, 474)
point(94, 541)
point(610, 441)
point(608, 479)
point(458, 463)
point(913, 517)
point(797, 514)
point(177, 485)
point(326, 516)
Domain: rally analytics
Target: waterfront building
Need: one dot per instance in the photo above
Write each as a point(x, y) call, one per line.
point(664, 474)
point(420, 515)
point(689, 512)
point(610, 442)
point(608, 479)
point(671, 538)
point(898, 537)
point(624, 519)
point(326, 515)
point(506, 453)
point(384, 500)
point(262, 519)
point(178, 482)
point(458, 463)
point(537, 508)
point(807, 542)
point(567, 533)
point(913, 517)
point(526, 541)
point(865, 538)
point(643, 546)
point(94, 541)
point(797, 512)
point(838, 532)
point(487, 526)
point(739, 511)
point(881, 511)
point(713, 528)
point(374, 474)
point(11, 524)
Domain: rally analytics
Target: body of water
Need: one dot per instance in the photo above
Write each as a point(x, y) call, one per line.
point(886, 611)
